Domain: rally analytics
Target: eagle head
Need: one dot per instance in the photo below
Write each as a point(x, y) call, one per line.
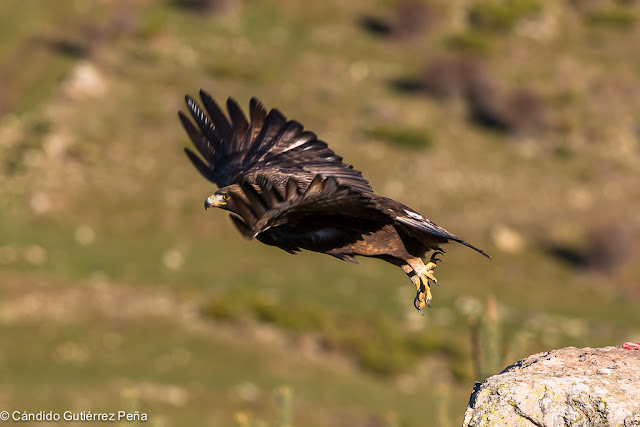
point(227, 198)
point(217, 200)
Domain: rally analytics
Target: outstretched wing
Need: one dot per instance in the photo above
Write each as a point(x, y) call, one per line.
point(268, 144)
point(261, 206)
point(416, 225)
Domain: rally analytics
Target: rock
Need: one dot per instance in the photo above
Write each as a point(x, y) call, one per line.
point(566, 387)
point(85, 81)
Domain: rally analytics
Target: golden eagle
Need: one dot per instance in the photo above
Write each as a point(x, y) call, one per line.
point(286, 188)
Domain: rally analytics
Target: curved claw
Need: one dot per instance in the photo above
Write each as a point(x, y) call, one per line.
point(421, 300)
point(416, 304)
point(433, 258)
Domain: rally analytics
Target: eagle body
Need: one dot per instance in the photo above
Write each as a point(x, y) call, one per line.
point(345, 237)
point(285, 188)
point(365, 238)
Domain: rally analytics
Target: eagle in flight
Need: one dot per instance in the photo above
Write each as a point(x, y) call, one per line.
point(286, 188)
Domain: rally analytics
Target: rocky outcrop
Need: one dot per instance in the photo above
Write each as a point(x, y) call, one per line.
point(566, 387)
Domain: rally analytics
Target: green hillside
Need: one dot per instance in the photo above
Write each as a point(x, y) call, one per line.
point(513, 124)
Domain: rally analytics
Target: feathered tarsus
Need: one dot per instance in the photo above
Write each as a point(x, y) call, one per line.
point(288, 189)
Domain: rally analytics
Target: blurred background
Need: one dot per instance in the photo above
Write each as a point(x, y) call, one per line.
point(514, 124)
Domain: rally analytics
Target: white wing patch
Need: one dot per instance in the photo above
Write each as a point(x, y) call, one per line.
point(414, 215)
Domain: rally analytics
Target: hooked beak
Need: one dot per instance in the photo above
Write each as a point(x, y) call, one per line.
point(208, 202)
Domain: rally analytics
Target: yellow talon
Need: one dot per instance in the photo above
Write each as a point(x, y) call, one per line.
point(431, 266)
point(427, 294)
point(423, 297)
point(420, 274)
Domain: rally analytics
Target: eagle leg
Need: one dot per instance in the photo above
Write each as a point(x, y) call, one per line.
point(419, 275)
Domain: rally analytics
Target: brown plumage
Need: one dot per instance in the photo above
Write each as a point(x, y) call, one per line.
point(286, 188)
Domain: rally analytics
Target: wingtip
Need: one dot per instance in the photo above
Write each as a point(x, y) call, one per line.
point(231, 100)
point(474, 248)
point(206, 97)
point(255, 102)
point(480, 251)
point(193, 157)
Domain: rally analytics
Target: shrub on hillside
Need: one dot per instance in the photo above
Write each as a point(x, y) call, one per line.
point(608, 246)
point(453, 76)
point(406, 19)
point(411, 17)
point(519, 112)
point(502, 16)
point(208, 6)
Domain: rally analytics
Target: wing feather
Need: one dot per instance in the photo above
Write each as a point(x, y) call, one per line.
point(423, 225)
point(218, 118)
point(266, 138)
point(291, 189)
point(199, 140)
point(207, 130)
point(242, 227)
point(238, 150)
point(415, 225)
point(246, 213)
point(257, 202)
point(239, 124)
point(204, 169)
point(258, 115)
point(262, 207)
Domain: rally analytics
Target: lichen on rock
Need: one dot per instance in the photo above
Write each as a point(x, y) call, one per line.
point(566, 387)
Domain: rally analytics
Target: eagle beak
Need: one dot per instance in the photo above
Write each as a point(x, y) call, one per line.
point(209, 202)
